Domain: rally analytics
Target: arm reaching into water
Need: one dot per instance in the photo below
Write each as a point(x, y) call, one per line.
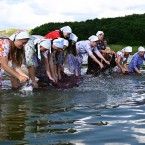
point(97, 61)
point(49, 68)
point(119, 65)
point(19, 76)
point(101, 56)
point(137, 70)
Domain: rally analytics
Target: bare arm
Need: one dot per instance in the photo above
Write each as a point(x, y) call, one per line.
point(19, 70)
point(126, 66)
point(49, 68)
point(118, 64)
point(31, 70)
point(102, 57)
point(4, 63)
point(137, 70)
point(97, 61)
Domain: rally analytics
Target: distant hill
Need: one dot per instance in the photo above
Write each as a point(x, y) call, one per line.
point(9, 32)
point(128, 30)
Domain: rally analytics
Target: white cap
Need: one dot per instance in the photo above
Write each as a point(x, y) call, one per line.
point(93, 38)
point(66, 42)
point(37, 36)
point(141, 49)
point(99, 32)
point(59, 42)
point(46, 43)
point(73, 37)
point(128, 49)
point(66, 29)
point(20, 34)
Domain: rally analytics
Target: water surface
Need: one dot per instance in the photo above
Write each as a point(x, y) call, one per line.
point(106, 110)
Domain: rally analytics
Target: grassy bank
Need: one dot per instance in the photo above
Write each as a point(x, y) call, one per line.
point(116, 48)
point(9, 32)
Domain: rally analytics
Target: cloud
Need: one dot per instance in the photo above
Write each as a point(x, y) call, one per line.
point(28, 14)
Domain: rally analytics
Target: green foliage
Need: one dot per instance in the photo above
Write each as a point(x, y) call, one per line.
point(128, 30)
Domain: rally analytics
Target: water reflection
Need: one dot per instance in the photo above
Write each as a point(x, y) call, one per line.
point(95, 111)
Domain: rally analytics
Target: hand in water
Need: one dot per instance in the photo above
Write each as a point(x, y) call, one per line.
point(123, 71)
point(53, 80)
point(34, 84)
point(127, 72)
point(23, 79)
point(107, 62)
point(101, 65)
point(140, 73)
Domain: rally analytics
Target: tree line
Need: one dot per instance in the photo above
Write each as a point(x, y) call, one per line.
point(128, 30)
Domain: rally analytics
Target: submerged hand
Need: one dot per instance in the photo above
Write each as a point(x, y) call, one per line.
point(23, 79)
point(140, 73)
point(35, 85)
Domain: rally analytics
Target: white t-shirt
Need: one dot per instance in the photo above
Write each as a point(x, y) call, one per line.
point(121, 54)
point(84, 47)
point(30, 53)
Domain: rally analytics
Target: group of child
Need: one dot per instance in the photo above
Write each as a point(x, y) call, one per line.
point(46, 56)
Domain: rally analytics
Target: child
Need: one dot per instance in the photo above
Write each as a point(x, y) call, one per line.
point(0, 79)
point(121, 60)
point(88, 46)
point(64, 32)
point(71, 60)
point(37, 51)
point(12, 49)
point(61, 56)
point(56, 45)
point(92, 66)
point(137, 61)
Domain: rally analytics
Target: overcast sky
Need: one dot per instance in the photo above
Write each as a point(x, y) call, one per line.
point(28, 14)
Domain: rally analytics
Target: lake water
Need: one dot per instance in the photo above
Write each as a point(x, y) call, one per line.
point(103, 110)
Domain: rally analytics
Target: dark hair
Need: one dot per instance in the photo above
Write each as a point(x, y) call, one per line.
point(52, 44)
point(72, 48)
point(106, 39)
point(62, 36)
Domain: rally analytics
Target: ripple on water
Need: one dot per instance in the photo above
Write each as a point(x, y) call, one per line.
point(104, 109)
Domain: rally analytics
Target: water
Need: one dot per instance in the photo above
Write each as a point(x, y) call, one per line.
point(106, 110)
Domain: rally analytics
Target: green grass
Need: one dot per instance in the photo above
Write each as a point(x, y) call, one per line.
point(116, 48)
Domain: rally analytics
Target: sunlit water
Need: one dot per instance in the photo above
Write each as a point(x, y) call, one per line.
point(106, 110)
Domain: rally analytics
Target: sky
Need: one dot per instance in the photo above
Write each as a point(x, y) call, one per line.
point(28, 14)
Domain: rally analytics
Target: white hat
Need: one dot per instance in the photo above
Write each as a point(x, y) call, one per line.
point(20, 34)
point(66, 29)
point(128, 49)
point(37, 36)
point(93, 38)
point(141, 49)
point(99, 32)
point(73, 37)
point(46, 43)
point(66, 42)
point(59, 42)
